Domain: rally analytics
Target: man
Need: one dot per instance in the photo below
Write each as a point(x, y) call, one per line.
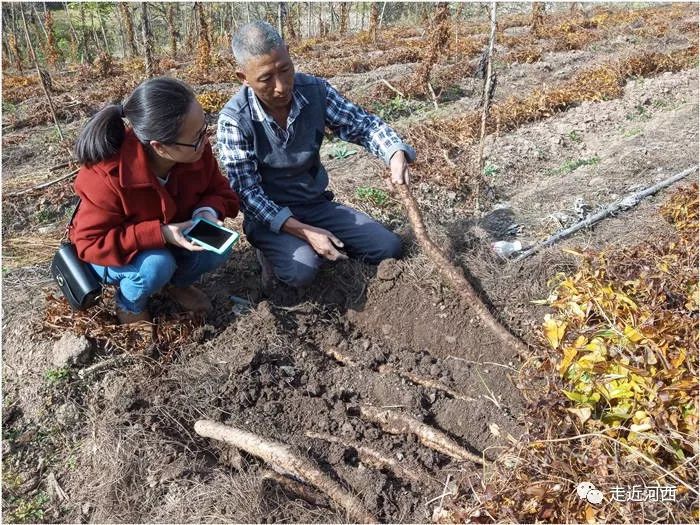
point(269, 137)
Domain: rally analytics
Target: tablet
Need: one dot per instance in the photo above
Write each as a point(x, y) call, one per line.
point(211, 236)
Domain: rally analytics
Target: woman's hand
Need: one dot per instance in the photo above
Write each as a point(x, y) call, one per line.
point(208, 216)
point(172, 233)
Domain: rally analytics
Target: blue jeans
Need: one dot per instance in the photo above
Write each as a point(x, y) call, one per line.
point(296, 263)
point(150, 270)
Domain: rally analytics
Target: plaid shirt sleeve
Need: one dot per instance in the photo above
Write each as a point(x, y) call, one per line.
point(351, 123)
point(237, 156)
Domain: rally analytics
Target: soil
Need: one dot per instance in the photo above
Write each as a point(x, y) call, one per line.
point(120, 441)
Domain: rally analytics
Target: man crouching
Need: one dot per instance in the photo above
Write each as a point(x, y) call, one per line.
point(269, 137)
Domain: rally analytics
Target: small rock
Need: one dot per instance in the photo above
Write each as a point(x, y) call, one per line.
point(71, 349)
point(386, 329)
point(67, 415)
point(450, 339)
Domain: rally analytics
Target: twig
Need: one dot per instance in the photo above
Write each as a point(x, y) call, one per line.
point(441, 497)
point(386, 82)
point(44, 184)
point(398, 423)
point(374, 458)
point(59, 166)
point(626, 447)
point(482, 362)
point(106, 363)
point(433, 95)
point(462, 286)
point(623, 204)
point(280, 455)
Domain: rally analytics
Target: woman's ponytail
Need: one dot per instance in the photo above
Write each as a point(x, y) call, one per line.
point(102, 136)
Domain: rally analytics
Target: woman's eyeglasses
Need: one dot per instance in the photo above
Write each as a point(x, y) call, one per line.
point(200, 138)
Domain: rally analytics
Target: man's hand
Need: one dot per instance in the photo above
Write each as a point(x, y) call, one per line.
point(323, 242)
point(399, 168)
point(209, 216)
point(172, 233)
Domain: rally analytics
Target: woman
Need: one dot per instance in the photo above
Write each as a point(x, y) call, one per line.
point(141, 184)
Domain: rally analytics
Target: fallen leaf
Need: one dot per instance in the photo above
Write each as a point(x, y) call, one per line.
point(493, 427)
point(554, 330)
point(583, 413)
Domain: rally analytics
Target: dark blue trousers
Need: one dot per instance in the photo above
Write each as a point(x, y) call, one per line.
point(296, 263)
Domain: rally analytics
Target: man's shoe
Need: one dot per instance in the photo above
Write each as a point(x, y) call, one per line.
point(126, 317)
point(190, 298)
point(141, 323)
point(267, 273)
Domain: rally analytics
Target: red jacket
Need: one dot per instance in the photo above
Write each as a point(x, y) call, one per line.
point(123, 204)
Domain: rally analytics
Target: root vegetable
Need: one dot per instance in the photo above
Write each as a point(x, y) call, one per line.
point(398, 423)
point(281, 456)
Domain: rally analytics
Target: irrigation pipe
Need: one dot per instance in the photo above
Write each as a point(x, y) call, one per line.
point(625, 203)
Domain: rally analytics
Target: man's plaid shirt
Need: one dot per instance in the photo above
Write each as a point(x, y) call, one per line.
point(346, 120)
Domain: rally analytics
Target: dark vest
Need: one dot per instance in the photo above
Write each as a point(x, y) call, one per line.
point(292, 174)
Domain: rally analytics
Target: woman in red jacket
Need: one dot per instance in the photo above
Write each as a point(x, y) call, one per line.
point(147, 172)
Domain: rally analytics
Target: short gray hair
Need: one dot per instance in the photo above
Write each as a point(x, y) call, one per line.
point(254, 39)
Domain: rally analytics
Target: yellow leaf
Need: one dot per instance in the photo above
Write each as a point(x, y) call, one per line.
point(640, 428)
point(590, 514)
point(554, 330)
point(693, 303)
point(569, 355)
point(583, 413)
point(633, 334)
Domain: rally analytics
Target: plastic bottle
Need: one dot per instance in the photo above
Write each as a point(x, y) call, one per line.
point(506, 248)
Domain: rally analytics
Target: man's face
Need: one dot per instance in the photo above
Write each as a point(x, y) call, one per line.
point(271, 78)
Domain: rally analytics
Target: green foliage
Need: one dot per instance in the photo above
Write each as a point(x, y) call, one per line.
point(341, 151)
point(28, 510)
point(632, 132)
point(575, 136)
point(640, 113)
point(574, 164)
point(396, 108)
point(373, 195)
point(57, 375)
point(491, 169)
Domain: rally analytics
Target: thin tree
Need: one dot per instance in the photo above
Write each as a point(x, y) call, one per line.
point(344, 17)
point(438, 43)
point(85, 53)
point(172, 29)
point(43, 75)
point(489, 86)
point(125, 10)
point(374, 22)
point(75, 40)
point(204, 59)
point(51, 51)
point(147, 40)
point(290, 32)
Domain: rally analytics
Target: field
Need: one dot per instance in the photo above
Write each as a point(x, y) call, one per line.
point(590, 105)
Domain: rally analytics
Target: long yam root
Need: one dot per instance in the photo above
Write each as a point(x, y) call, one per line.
point(398, 423)
point(462, 286)
point(424, 381)
point(292, 486)
point(281, 456)
point(376, 459)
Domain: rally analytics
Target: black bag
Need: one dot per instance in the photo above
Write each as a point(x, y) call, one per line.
point(76, 279)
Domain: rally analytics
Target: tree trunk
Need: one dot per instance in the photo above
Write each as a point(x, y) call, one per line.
point(86, 56)
point(125, 10)
point(51, 52)
point(43, 75)
point(308, 19)
point(280, 18)
point(438, 41)
point(74, 34)
point(104, 33)
point(172, 29)
point(147, 40)
point(374, 21)
point(204, 59)
point(344, 16)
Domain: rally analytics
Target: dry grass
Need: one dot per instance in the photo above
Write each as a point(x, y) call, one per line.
point(451, 137)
